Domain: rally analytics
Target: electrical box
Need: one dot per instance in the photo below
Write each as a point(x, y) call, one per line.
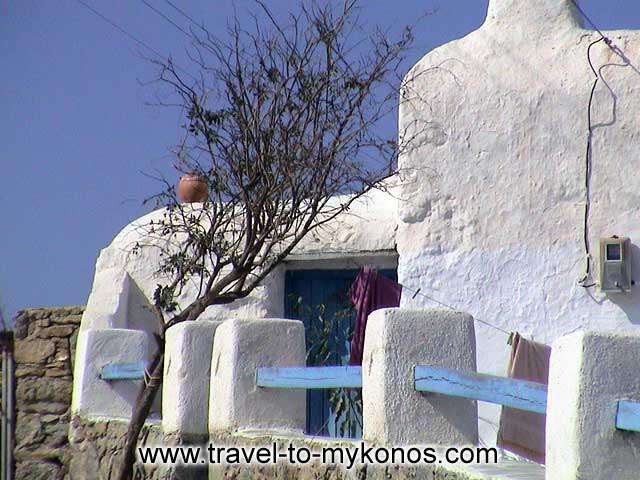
point(615, 264)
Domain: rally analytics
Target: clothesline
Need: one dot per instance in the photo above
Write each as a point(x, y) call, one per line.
point(418, 292)
point(484, 322)
point(519, 433)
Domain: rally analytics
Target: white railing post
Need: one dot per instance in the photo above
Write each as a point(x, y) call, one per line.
point(589, 373)
point(394, 412)
point(239, 348)
point(95, 397)
point(187, 376)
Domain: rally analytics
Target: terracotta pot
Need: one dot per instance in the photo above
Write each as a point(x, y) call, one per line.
point(192, 188)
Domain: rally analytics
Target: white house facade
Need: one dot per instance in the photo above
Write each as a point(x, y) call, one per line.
point(487, 214)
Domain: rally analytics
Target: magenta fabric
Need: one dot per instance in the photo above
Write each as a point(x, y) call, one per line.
point(370, 291)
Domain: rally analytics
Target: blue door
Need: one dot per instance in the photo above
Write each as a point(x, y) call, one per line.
point(320, 298)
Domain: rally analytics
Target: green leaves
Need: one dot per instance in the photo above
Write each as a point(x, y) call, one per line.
point(163, 297)
point(323, 333)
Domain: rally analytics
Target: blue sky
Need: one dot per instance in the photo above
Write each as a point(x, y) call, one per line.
point(76, 130)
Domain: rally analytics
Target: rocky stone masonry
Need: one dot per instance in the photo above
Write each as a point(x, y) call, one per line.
point(44, 349)
point(97, 447)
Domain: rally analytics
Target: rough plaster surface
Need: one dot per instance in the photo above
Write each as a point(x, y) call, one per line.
point(368, 226)
point(239, 348)
point(187, 372)
point(94, 397)
point(109, 309)
point(393, 412)
point(492, 198)
point(120, 261)
point(589, 373)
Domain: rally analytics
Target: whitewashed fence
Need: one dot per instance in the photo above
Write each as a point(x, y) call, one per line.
point(418, 377)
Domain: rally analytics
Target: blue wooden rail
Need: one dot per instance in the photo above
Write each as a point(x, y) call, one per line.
point(628, 415)
point(310, 377)
point(123, 371)
point(520, 394)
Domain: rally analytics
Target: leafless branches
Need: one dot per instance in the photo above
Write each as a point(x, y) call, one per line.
point(282, 120)
point(282, 123)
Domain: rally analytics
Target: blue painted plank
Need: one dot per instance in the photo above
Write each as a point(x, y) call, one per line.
point(123, 371)
point(520, 394)
point(310, 377)
point(628, 415)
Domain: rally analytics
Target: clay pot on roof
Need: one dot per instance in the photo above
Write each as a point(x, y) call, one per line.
point(192, 188)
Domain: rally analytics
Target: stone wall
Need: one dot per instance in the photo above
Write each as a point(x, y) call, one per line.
point(97, 447)
point(44, 347)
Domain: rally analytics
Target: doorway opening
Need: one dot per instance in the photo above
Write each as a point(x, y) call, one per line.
point(320, 299)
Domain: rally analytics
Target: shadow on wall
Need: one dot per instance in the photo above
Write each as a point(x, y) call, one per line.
point(140, 314)
point(141, 317)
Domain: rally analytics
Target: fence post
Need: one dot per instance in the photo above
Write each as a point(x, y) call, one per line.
point(239, 348)
point(397, 340)
point(7, 407)
point(93, 396)
point(589, 373)
point(187, 375)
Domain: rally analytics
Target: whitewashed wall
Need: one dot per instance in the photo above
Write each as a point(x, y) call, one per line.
point(490, 211)
point(492, 201)
point(124, 281)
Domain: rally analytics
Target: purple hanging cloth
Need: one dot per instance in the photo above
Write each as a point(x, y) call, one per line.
point(369, 291)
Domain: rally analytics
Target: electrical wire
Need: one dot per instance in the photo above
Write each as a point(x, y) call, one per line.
point(165, 17)
point(587, 175)
point(185, 15)
point(612, 46)
point(593, 25)
point(131, 36)
point(589, 150)
point(588, 156)
point(118, 27)
point(418, 291)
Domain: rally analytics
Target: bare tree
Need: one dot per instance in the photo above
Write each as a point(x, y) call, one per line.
point(282, 122)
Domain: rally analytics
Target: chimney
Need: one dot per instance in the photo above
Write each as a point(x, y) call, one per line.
point(545, 17)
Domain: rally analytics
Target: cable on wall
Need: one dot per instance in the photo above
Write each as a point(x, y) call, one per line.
point(587, 174)
point(587, 279)
point(612, 46)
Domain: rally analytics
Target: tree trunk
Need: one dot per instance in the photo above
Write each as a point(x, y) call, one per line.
point(140, 413)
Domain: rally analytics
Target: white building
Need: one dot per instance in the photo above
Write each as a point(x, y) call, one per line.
point(488, 215)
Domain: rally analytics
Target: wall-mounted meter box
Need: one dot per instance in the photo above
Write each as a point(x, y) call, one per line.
point(615, 264)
